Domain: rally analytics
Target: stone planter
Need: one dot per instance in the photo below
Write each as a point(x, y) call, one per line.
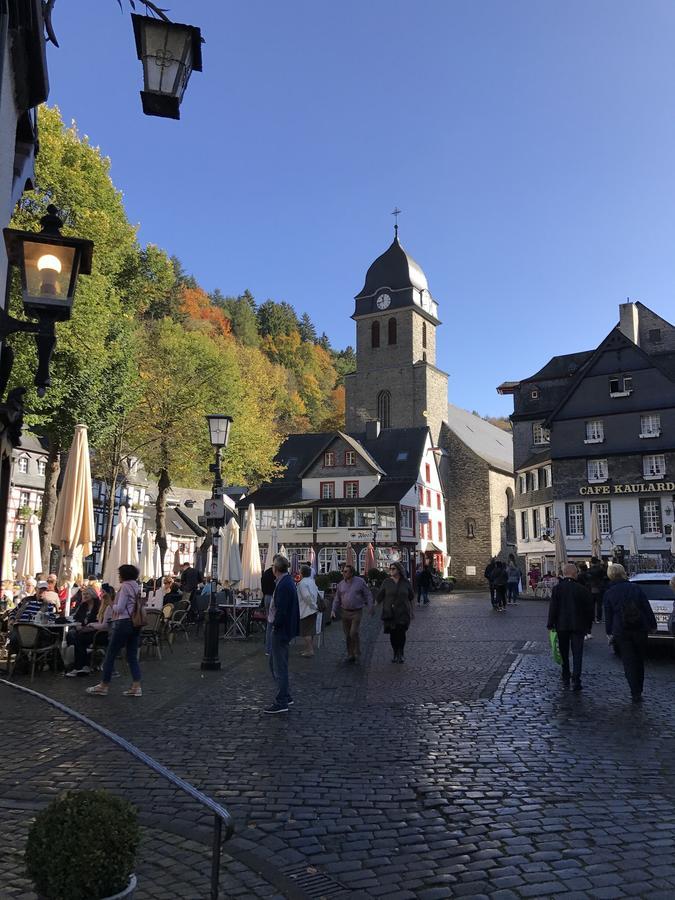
point(128, 891)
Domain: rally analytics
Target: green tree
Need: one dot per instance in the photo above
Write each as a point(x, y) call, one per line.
point(307, 329)
point(275, 319)
point(242, 314)
point(76, 177)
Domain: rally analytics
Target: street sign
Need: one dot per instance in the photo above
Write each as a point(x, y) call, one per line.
point(424, 518)
point(214, 508)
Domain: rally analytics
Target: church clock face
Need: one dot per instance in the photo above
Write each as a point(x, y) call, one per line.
point(383, 301)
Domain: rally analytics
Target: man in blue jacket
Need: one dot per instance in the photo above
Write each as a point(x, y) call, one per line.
point(628, 619)
point(284, 617)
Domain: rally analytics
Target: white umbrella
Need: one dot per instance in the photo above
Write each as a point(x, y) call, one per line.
point(229, 564)
point(147, 562)
point(596, 537)
point(74, 530)
point(129, 543)
point(282, 551)
point(334, 564)
point(632, 543)
point(176, 562)
point(7, 570)
point(560, 549)
point(29, 560)
point(114, 558)
point(272, 548)
point(157, 563)
point(250, 557)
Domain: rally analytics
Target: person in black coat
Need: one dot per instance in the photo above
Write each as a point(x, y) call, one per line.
point(570, 614)
point(284, 617)
point(489, 569)
point(628, 619)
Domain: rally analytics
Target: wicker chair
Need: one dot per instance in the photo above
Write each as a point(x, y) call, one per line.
point(34, 643)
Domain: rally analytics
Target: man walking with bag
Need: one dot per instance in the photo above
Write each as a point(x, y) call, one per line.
point(570, 614)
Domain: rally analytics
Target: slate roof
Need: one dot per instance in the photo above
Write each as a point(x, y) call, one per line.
point(177, 523)
point(33, 443)
point(562, 366)
point(394, 269)
point(492, 444)
point(399, 473)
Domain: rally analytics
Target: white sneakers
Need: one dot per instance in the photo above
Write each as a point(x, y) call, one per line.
point(85, 670)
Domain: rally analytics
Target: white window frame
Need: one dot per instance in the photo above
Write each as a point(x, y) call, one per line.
point(650, 425)
point(350, 457)
point(350, 485)
point(536, 524)
point(653, 466)
point(24, 498)
point(604, 516)
point(22, 465)
point(535, 479)
point(42, 466)
point(574, 517)
point(656, 518)
point(326, 509)
point(329, 459)
point(597, 471)
point(525, 524)
point(624, 383)
point(548, 476)
point(595, 432)
point(522, 483)
point(324, 556)
point(390, 512)
point(540, 435)
point(407, 518)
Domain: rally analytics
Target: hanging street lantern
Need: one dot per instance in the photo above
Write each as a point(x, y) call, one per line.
point(169, 53)
point(219, 430)
point(49, 264)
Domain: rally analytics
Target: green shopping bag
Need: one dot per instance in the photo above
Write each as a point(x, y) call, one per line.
point(555, 648)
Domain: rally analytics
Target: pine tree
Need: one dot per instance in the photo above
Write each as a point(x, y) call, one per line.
point(307, 329)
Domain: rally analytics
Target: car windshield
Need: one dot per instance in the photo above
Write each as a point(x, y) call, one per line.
point(656, 590)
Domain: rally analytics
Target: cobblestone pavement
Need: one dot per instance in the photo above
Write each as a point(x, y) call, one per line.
point(467, 772)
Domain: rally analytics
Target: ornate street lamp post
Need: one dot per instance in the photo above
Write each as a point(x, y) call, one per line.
point(49, 264)
point(214, 510)
point(169, 53)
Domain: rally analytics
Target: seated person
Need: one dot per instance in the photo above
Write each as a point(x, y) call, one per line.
point(49, 605)
point(87, 608)
point(172, 592)
point(83, 636)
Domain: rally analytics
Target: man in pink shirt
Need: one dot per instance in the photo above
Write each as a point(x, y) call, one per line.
point(351, 596)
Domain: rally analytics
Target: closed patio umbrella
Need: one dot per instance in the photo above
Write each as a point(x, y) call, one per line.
point(29, 560)
point(229, 564)
point(272, 548)
point(312, 561)
point(250, 557)
point(560, 549)
point(176, 562)
point(295, 563)
point(350, 558)
point(147, 561)
point(369, 562)
point(283, 551)
point(334, 564)
point(129, 543)
point(74, 530)
point(114, 558)
point(157, 562)
point(596, 537)
point(7, 570)
point(632, 543)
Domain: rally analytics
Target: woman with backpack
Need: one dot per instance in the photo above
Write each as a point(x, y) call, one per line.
point(127, 621)
point(628, 619)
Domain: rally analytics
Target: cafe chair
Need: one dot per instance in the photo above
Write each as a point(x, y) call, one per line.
point(151, 634)
point(35, 643)
point(177, 624)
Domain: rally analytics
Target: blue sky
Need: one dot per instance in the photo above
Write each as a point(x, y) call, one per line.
point(530, 145)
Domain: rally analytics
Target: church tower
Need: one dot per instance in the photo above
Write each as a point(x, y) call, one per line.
point(396, 379)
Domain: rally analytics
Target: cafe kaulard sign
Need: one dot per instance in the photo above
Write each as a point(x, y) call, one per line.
point(650, 487)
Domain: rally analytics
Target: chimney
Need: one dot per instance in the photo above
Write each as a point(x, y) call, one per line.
point(629, 322)
point(373, 430)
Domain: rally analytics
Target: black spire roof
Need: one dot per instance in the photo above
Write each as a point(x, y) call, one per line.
point(396, 270)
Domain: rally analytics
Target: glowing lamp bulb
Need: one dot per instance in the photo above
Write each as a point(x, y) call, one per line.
point(50, 265)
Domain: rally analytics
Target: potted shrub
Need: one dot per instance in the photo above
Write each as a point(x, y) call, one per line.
point(102, 838)
point(24, 512)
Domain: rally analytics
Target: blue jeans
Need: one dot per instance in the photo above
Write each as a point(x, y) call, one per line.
point(422, 594)
point(268, 627)
point(279, 668)
point(513, 590)
point(123, 634)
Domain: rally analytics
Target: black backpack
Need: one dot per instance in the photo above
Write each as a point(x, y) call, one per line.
point(632, 614)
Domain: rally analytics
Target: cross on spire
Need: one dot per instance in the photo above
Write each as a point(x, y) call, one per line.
point(396, 213)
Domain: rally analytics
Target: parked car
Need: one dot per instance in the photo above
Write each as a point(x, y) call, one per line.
point(656, 586)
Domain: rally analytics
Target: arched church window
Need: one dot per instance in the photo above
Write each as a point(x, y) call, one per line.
point(391, 328)
point(424, 334)
point(375, 334)
point(384, 408)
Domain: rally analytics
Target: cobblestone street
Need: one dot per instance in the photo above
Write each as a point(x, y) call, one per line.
point(467, 772)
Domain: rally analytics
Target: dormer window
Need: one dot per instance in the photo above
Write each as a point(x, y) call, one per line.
point(350, 458)
point(329, 459)
point(650, 425)
point(598, 470)
point(620, 385)
point(595, 432)
point(654, 466)
point(540, 435)
point(23, 464)
point(42, 467)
